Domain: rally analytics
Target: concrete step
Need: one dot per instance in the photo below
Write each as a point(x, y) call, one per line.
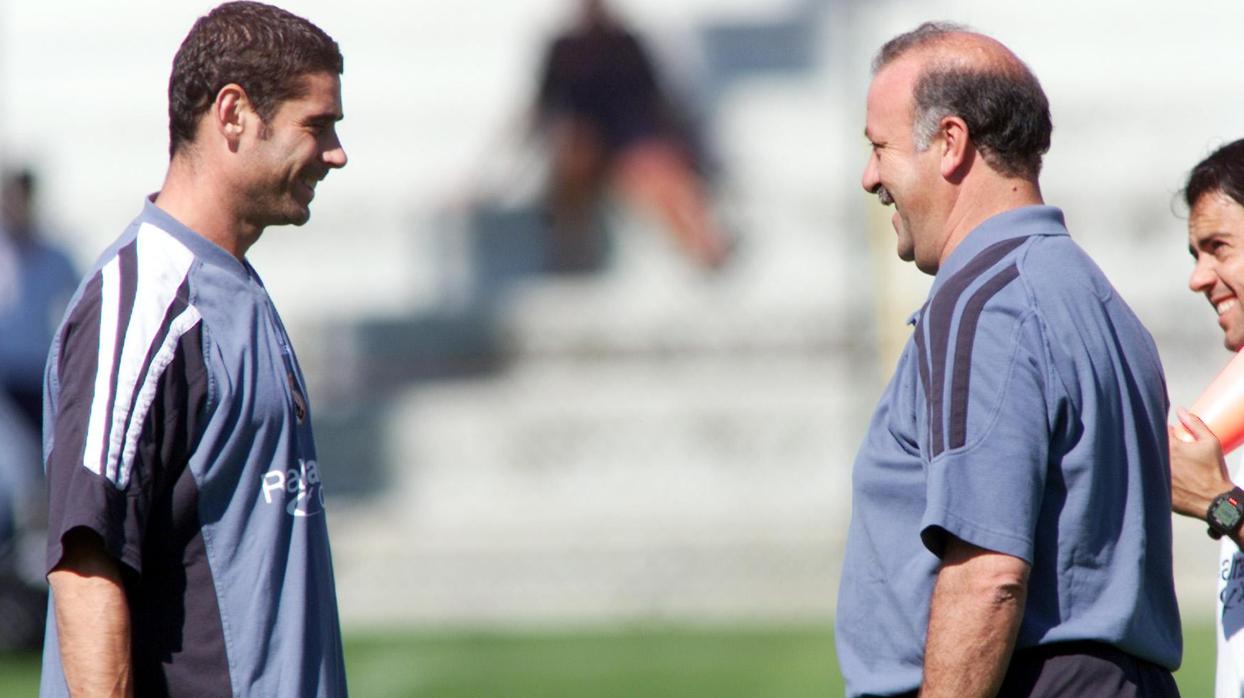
point(572, 490)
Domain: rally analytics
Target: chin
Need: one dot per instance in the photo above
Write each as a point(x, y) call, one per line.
point(297, 215)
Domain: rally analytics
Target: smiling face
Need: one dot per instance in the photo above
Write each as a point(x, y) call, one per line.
point(292, 152)
point(897, 172)
point(1216, 241)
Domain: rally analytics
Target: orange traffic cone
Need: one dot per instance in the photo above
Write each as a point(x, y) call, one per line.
point(1221, 406)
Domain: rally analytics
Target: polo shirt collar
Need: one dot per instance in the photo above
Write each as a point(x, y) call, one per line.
point(1025, 221)
point(204, 249)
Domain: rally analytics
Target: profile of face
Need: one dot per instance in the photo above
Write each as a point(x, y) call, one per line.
point(897, 172)
point(1216, 241)
point(292, 152)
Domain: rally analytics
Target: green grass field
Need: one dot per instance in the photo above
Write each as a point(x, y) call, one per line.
point(633, 662)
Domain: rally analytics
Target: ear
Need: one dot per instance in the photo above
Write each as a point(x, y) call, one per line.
point(956, 144)
point(232, 114)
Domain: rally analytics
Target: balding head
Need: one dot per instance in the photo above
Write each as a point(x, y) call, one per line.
point(976, 78)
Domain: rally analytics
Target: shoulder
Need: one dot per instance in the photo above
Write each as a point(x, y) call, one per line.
point(1056, 266)
point(983, 290)
point(1073, 296)
point(132, 316)
point(1087, 322)
point(136, 296)
point(143, 266)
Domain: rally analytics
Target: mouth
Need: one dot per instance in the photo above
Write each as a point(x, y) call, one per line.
point(883, 195)
point(1223, 306)
point(308, 182)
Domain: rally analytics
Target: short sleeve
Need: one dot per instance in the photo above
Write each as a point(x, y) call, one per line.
point(986, 487)
point(122, 422)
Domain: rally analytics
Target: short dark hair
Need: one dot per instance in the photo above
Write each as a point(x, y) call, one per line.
point(264, 49)
point(1006, 111)
point(1221, 172)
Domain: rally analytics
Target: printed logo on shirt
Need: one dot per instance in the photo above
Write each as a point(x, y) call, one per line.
point(303, 493)
point(300, 402)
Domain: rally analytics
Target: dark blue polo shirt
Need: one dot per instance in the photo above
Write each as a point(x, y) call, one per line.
point(1027, 416)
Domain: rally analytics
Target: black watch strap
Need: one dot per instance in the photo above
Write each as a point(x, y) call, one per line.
point(1225, 513)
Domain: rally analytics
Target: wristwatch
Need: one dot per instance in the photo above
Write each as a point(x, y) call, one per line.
point(1225, 513)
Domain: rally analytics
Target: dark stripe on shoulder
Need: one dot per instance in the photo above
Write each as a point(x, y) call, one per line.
point(127, 278)
point(77, 362)
point(922, 354)
point(964, 340)
point(80, 335)
point(941, 313)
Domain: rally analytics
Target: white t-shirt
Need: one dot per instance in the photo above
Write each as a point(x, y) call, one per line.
point(1229, 680)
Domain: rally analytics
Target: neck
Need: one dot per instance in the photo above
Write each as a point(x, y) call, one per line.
point(984, 200)
point(199, 199)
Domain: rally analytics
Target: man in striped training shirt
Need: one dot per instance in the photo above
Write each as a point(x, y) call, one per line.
point(1010, 532)
point(188, 552)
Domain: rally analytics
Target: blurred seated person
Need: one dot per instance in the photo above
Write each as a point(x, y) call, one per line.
point(609, 125)
point(36, 281)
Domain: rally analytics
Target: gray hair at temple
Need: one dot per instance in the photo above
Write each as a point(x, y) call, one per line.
point(1001, 101)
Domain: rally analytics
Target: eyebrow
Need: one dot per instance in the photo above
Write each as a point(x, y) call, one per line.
point(1195, 246)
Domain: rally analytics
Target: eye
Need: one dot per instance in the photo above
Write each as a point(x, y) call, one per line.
point(320, 127)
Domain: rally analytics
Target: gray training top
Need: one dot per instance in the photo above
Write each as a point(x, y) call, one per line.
point(1027, 416)
point(177, 429)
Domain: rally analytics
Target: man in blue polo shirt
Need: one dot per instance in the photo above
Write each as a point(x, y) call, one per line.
point(1010, 532)
point(187, 549)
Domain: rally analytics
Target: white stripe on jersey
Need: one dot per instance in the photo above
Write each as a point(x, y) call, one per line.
point(109, 308)
point(162, 266)
point(178, 327)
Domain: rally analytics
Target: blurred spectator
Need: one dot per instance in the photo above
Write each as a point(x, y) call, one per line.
point(36, 281)
point(609, 124)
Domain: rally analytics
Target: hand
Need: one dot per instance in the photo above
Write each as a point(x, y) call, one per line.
point(1198, 471)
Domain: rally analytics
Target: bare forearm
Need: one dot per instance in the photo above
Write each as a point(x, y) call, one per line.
point(1194, 503)
point(973, 622)
point(1195, 484)
point(92, 625)
point(1198, 475)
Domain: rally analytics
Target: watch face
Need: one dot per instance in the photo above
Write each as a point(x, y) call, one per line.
point(1224, 513)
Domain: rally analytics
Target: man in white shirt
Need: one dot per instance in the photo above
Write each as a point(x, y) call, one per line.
point(1201, 484)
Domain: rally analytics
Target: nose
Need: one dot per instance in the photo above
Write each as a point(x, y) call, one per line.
point(335, 155)
point(870, 179)
point(1203, 276)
